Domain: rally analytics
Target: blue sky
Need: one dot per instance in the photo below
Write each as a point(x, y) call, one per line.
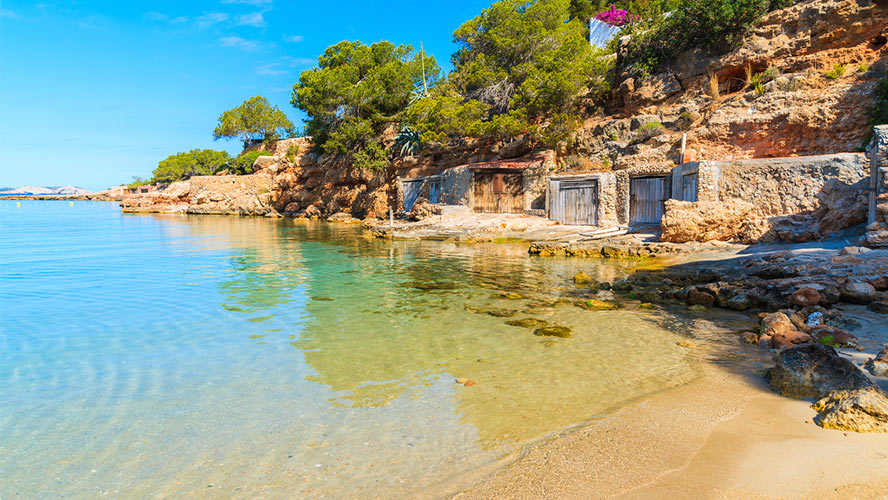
point(94, 93)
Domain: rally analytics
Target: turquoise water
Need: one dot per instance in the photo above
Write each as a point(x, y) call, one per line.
point(241, 357)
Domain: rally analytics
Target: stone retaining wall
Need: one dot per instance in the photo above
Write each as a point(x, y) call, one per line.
point(877, 228)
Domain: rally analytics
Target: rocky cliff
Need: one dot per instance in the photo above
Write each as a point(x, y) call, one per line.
point(818, 64)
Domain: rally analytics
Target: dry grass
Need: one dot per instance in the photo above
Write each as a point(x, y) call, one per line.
point(713, 86)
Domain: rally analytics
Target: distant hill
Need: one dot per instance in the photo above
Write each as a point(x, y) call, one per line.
point(54, 190)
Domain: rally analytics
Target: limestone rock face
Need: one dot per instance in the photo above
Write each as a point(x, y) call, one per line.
point(685, 221)
point(815, 371)
point(861, 410)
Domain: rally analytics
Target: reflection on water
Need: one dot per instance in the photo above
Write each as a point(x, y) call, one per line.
point(159, 355)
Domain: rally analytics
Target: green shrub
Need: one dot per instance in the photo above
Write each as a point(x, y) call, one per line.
point(863, 68)
point(647, 131)
point(243, 164)
point(292, 151)
point(713, 25)
point(836, 72)
point(184, 165)
point(687, 119)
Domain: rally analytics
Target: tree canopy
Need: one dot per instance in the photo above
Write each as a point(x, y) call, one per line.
point(356, 91)
point(521, 68)
point(254, 118)
point(184, 165)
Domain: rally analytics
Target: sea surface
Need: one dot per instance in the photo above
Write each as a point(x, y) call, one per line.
point(216, 356)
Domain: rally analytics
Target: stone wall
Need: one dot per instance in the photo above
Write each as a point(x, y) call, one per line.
point(786, 186)
point(790, 199)
point(877, 229)
point(456, 186)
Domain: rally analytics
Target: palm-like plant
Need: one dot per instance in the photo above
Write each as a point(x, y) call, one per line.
point(407, 142)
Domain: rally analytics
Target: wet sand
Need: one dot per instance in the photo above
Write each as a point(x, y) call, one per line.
point(725, 435)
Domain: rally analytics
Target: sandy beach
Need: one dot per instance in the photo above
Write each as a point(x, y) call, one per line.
point(725, 435)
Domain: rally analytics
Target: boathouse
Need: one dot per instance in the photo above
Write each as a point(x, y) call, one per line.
point(583, 200)
point(514, 186)
point(425, 187)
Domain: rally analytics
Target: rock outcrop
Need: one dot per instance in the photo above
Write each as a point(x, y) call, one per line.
point(788, 116)
point(218, 194)
point(814, 371)
point(878, 365)
point(860, 410)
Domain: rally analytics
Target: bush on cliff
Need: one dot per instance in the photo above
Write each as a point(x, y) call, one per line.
point(243, 164)
point(522, 67)
point(355, 92)
point(714, 25)
point(184, 165)
point(254, 118)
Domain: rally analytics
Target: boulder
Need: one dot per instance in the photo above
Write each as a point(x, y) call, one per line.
point(878, 365)
point(814, 371)
point(739, 302)
point(833, 336)
point(699, 296)
point(878, 307)
point(777, 324)
point(880, 283)
point(685, 221)
point(860, 410)
point(422, 209)
point(806, 296)
point(858, 292)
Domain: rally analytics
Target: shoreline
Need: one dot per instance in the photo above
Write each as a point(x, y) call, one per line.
point(723, 435)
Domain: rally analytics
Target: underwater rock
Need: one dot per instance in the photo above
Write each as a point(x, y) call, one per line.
point(553, 331)
point(528, 323)
point(582, 278)
point(322, 298)
point(502, 313)
point(511, 295)
point(600, 305)
point(860, 410)
point(434, 285)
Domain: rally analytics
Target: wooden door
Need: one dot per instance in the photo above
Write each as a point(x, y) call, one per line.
point(412, 191)
point(647, 199)
point(499, 192)
point(689, 187)
point(576, 202)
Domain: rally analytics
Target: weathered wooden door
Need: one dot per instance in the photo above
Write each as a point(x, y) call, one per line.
point(689, 187)
point(499, 192)
point(575, 202)
point(647, 199)
point(412, 190)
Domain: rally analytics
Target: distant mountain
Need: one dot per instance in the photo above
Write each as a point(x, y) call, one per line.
point(35, 190)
